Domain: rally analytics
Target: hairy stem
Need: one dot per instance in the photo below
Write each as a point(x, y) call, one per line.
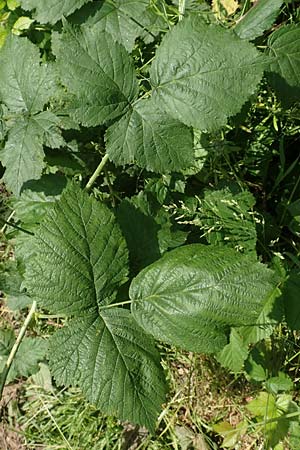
point(15, 348)
point(97, 172)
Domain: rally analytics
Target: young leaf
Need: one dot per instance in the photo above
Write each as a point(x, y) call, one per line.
point(25, 363)
point(98, 71)
point(284, 52)
point(50, 11)
point(258, 19)
point(202, 74)
point(193, 294)
point(114, 362)
point(234, 354)
point(123, 19)
point(80, 262)
point(151, 139)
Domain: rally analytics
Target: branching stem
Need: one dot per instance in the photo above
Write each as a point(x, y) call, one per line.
point(15, 348)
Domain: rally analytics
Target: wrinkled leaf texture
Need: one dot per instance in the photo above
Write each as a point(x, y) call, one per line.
point(193, 294)
point(81, 261)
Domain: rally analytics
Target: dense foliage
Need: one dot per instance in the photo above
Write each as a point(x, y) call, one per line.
point(149, 153)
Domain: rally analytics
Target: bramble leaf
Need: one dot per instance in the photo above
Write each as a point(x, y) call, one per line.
point(123, 19)
point(81, 236)
point(203, 74)
point(114, 362)
point(151, 139)
point(26, 84)
point(109, 84)
point(23, 154)
point(258, 19)
point(81, 260)
point(284, 53)
point(193, 294)
point(50, 11)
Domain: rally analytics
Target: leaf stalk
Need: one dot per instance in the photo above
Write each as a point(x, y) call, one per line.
point(15, 347)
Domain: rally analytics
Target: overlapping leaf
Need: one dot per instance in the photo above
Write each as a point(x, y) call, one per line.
point(123, 19)
point(258, 19)
point(98, 71)
point(50, 11)
point(193, 294)
point(284, 52)
point(81, 261)
point(151, 139)
point(203, 74)
point(26, 85)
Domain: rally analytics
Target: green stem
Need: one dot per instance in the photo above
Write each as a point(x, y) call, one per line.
point(15, 348)
point(181, 8)
point(112, 305)
point(5, 222)
point(97, 172)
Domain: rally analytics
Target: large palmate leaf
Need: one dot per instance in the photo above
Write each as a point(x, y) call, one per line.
point(193, 294)
point(98, 71)
point(284, 52)
point(203, 74)
point(50, 11)
point(258, 19)
point(26, 85)
point(151, 139)
point(123, 19)
point(81, 260)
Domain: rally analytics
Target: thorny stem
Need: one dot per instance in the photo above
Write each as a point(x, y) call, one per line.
point(15, 347)
point(97, 172)
point(181, 8)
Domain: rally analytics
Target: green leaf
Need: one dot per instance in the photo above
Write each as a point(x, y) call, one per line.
point(290, 300)
point(280, 383)
point(258, 19)
point(234, 354)
point(80, 262)
point(26, 85)
point(11, 284)
point(284, 53)
point(109, 84)
point(270, 315)
point(23, 154)
point(192, 295)
point(202, 74)
point(123, 19)
point(50, 11)
point(25, 363)
point(81, 236)
point(226, 217)
point(141, 233)
point(115, 363)
point(151, 139)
